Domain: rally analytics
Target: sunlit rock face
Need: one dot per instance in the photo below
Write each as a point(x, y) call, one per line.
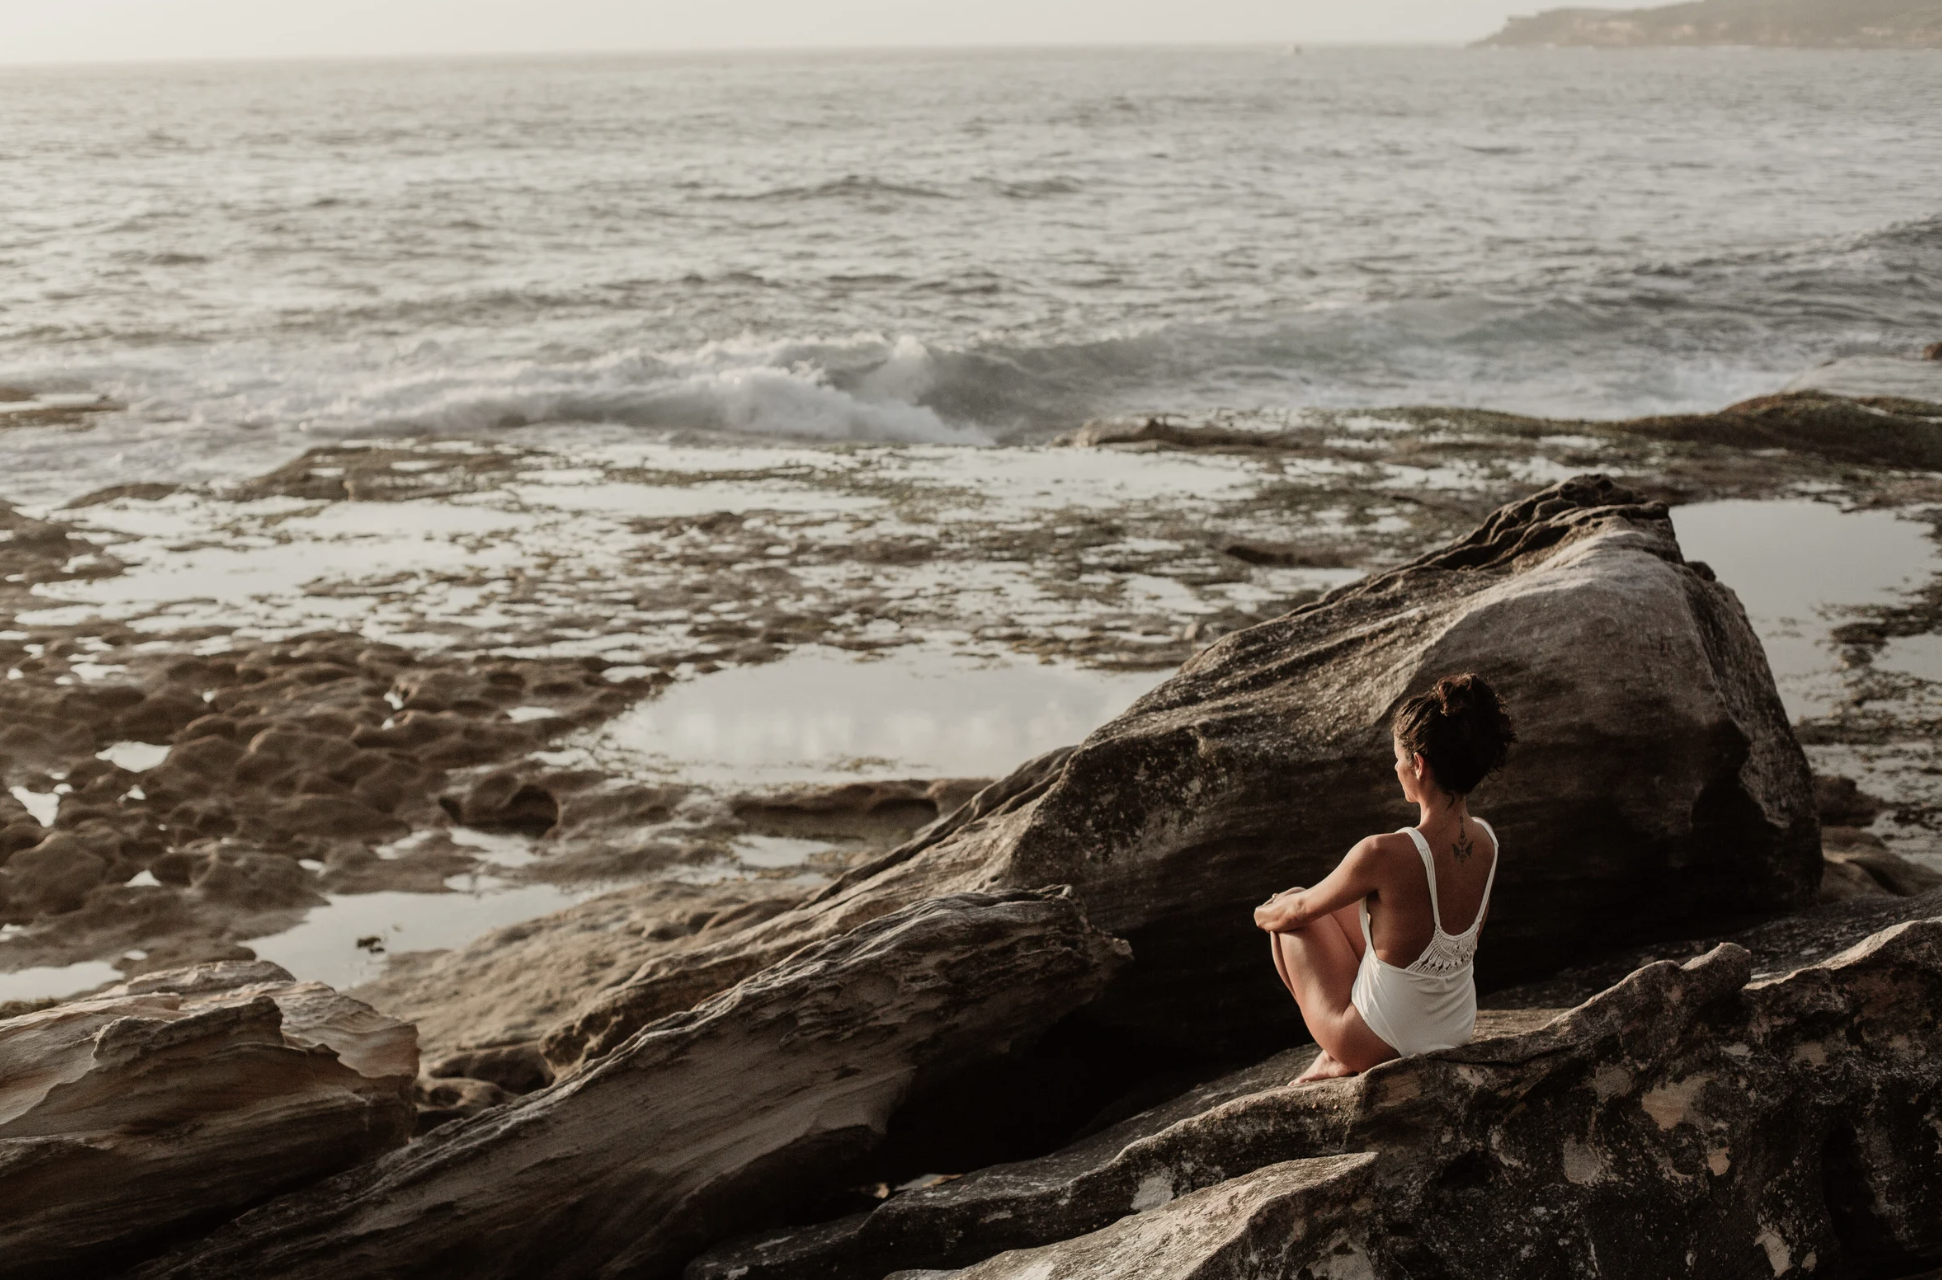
point(178, 1099)
point(1656, 789)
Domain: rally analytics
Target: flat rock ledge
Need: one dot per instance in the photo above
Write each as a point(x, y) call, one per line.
point(1693, 1119)
point(162, 1106)
point(701, 1124)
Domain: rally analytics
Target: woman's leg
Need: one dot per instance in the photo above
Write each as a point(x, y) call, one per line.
point(1350, 918)
point(1317, 964)
point(1351, 926)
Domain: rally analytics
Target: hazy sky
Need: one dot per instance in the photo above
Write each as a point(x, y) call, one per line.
point(93, 30)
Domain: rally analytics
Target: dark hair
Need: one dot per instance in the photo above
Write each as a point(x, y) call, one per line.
point(1460, 728)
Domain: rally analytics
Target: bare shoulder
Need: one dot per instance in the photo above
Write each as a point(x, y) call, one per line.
point(1385, 849)
point(1488, 842)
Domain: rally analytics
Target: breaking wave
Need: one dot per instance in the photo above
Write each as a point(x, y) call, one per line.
point(965, 251)
point(864, 388)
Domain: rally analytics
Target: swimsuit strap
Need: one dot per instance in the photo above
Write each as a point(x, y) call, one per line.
point(1496, 856)
point(1429, 870)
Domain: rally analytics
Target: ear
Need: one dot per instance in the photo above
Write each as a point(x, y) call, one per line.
point(1420, 765)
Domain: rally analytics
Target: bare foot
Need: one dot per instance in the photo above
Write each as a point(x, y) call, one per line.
point(1324, 1067)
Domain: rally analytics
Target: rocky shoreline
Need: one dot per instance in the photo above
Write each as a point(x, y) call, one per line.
point(1796, 24)
point(180, 720)
point(197, 767)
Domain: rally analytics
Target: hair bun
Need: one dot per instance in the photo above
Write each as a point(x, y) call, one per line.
point(1468, 694)
point(1455, 695)
point(1460, 728)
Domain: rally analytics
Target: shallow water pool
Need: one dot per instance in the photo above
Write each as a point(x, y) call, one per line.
point(826, 715)
point(1798, 566)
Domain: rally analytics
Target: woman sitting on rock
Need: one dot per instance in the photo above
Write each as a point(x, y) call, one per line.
point(1366, 953)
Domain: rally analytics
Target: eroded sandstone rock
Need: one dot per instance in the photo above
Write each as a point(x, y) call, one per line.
point(702, 1122)
point(1691, 1120)
point(516, 1068)
point(1020, 1205)
point(180, 1098)
point(1299, 1218)
point(511, 985)
point(1657, 787)
point(444, 1099)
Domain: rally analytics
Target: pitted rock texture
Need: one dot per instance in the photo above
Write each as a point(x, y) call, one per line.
point(1016, 1206)
point(138, 1115)
point(1657, 788)
point(1302, 1218)
point(321, 748)
point(701, 1123)
point(1691, 1120)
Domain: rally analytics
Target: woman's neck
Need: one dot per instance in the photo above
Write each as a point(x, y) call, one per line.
point(1435, 809)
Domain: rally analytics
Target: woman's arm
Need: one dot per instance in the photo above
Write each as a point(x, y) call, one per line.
point(1355, 878)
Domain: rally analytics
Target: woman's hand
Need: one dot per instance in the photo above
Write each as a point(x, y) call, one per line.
point(1285, 911)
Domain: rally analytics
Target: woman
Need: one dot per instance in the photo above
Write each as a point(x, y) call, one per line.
point(1368, 953)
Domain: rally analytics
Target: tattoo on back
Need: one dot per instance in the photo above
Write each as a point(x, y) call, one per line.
point(1463, 846)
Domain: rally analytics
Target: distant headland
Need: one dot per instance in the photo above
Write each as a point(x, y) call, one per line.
point(1807, 24)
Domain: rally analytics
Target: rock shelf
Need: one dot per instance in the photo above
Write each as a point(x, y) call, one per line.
point(705, 1120)
point(1757, 1122)
point(168, 1103)
point(838, 1003)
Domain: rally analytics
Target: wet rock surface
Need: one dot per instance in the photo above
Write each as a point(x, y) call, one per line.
point(614, 577)
point(273, 775)
point(1893, 431)
point(164, 1105)
point(25, 407)
point(702, 1122)
point(1659, 791)
point(1766, 1125)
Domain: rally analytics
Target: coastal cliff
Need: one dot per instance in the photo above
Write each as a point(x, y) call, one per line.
point(1801, 24)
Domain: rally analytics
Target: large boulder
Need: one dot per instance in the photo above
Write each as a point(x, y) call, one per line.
point(159, 1106)
point(703, 1123)
point(1657, 789)
point(1706, 1118)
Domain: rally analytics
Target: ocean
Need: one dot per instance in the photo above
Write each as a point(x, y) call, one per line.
point(976, 247)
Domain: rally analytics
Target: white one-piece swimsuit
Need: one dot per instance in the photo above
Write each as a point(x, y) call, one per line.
point(1432, 1004)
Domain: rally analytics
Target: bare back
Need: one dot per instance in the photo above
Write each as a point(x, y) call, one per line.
point(1401, 918)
